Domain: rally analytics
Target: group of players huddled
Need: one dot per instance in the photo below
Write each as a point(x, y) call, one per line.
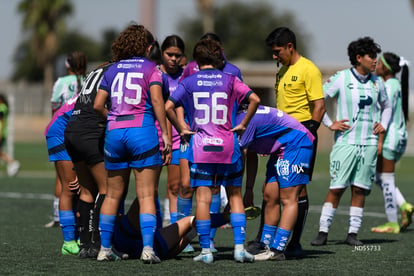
point(146, 108)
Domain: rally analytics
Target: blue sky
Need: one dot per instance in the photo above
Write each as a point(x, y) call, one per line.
point(331, 23)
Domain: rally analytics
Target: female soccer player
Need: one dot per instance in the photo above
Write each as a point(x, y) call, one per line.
point(392, 147)
point(290, 146)
point(13, 166)
point(172, 49)
point(67, 177)
point(210, 99)
point(363, 112)
point(64, 89)
point(133, 85)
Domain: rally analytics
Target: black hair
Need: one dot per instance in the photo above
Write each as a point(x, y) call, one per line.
point(393, 61)
point(211, 36)
point(208, 52)
point(77, 64)
point(281, 37)
point(173, 41)
point(154, 53)
point(362, 46)
point(3, 99)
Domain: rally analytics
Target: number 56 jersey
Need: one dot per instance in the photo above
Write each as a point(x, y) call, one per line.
point(210, 99)
point(128, 84)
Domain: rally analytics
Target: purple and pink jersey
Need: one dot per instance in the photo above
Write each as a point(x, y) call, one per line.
point(228, 68)
point(60, 119)
point(210, 99)
point(128, 84)
point(170, 84)
point(270, 129)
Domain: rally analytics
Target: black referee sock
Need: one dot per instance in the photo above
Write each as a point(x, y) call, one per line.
point(303, 207)
point(85, 230)
point(96, 238)
point(262, 215)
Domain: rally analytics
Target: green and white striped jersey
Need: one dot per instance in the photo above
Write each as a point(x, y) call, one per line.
point(396, 136)
point(361, 102)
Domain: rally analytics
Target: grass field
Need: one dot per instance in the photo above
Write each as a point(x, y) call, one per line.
point(27, 248)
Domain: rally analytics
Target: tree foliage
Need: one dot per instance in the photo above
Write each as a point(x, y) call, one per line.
point(243, 27)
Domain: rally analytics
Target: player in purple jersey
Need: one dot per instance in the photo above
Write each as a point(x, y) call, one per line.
point(210, 99)
point(289, 144)
point(172, 50)
point(133, 85)
point(67, 177)
point(184, 201)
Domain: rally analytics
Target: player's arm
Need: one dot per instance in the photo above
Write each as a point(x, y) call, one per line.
point(159, 110)
point(254, 102)
point(99, 104)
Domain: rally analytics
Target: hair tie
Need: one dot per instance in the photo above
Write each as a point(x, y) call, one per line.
point(403, 62)
point(67, 65)
point(386, 64)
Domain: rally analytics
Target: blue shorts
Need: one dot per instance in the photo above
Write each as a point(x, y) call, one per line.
point(175, 160)
point(56, 149)
point(289, 167)
point(184, 149)
point(209, 174)
point(135, 147)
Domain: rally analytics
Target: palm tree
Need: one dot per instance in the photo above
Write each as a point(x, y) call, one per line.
point(42, 20)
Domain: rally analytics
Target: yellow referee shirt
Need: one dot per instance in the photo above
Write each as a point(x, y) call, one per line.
point(296, 86)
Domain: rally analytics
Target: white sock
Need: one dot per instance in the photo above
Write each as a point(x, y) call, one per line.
point(388, 190)
point(223, 197)
point(56, 209)
point(166, 209)
point(399, 198)
point(238, 247)
point(327, 215)
point(355, 219)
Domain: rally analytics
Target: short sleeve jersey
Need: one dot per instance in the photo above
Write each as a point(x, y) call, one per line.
point(4, 111)
point(211, 98)
point(60, 119)
point(359, 102)
point(128, 84)
point(271, 129)
point(396, 132)
point(63, 90)
point(170, 83)
point(84, 119)
point(228, 68)
point(296, 86)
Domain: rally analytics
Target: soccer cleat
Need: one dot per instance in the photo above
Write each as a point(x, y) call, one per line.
point(389, 227)
point(407, 211)
point(212, 248)
point(294, 250)
point(270, 254)
point(252, 212)
point(226, 226)
point(242, 256)
point(277, 255)
point(263, 254)
point(351, 239)
point(255, 247)
point(206, 258)
point(188, 249)
point(148, 256)
point(52, 224)
point(321, 239)
point(106, 254)
point(13, 168)
point(70, 248)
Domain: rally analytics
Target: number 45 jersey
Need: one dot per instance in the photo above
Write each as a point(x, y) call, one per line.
point(210, 99)
point(128, 84)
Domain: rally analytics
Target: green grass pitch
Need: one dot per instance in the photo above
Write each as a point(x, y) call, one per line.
point(27, 248)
